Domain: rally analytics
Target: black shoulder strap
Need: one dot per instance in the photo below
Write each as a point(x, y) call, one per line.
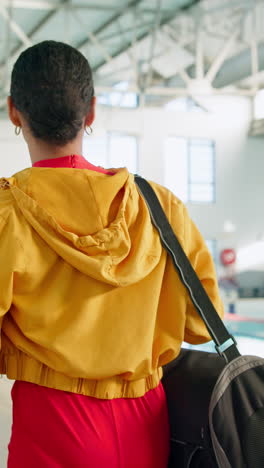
point(225, 343)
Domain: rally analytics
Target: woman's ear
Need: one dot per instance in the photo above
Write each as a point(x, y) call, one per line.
point(91, 114)
point(13, 113)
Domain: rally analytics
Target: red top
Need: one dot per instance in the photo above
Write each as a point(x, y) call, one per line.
point(73, 160)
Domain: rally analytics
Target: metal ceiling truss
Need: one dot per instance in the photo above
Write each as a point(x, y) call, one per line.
point(194, 22)
point(163, 21)
point(202, 82)
point(118, 13)
point(15, 27)
point(6, 12)
point(89, 37)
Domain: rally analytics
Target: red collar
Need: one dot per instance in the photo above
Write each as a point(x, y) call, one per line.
point(74, 161)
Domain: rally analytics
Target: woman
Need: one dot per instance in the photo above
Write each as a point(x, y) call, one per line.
point(91, 306)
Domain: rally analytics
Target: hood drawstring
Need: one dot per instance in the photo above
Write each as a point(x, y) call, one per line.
point(4, 184)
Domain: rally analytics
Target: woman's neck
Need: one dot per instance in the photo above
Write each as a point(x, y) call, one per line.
point(40, 150)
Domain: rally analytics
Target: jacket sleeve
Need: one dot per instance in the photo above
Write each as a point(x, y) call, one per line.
point(7, 266)
point(202, 262)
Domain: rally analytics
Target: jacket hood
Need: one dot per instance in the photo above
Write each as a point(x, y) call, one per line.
point(97, 223)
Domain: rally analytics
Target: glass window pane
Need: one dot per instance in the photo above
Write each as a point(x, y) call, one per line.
point(211, 244)
point(118, 99)
point(95, 150)
point(178, 104)
point(126, 99)
point(129, 100)
point(201, 168)
point(103, 99)
point(175, 166)
point(123, 152)
point(201, 142)
point(200, 150)
point(259, 105)
point(201, 193)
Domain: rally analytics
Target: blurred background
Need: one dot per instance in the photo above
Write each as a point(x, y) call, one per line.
point(180, 93)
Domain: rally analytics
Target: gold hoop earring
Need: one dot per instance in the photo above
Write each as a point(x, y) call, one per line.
point(17, 130)
point(86, 131)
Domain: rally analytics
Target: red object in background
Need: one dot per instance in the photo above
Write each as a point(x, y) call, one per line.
point(228, 257)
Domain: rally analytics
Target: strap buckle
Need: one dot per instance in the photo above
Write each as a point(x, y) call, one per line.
point(226, 345)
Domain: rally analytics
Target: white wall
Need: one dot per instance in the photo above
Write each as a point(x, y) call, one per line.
point(13, 151)
point(239, 164)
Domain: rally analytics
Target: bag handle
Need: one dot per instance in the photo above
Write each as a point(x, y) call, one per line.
point(225, 343)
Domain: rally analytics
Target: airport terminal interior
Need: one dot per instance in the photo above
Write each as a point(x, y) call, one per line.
point(180, 101)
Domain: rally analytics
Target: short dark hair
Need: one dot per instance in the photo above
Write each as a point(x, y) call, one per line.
point(52, 86)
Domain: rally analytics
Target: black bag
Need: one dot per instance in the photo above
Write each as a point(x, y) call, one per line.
point(215, 401)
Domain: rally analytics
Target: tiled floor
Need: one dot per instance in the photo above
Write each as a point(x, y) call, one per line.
point(5, 418)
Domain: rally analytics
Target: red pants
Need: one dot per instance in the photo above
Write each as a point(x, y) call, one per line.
point(56, 429)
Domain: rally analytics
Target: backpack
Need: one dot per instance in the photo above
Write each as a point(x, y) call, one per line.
point(215, 401)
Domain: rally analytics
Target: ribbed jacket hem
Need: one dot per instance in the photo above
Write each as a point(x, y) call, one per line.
point(19, 366)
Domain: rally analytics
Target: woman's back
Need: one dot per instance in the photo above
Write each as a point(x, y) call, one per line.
point(92, 306)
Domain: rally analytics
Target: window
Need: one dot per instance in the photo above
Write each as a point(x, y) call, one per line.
point(189, 169)
point(112, 150)
point(212, 247)
point(119, 98)
point(201, 186)
point(176, 166)
point(183, 104)
point(259, 105)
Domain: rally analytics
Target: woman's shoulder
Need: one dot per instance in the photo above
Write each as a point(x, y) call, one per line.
point(169, 201)
point(6, 198)
point(173, 207)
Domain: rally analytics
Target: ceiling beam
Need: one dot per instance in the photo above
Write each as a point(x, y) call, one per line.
point(221, 57)
point(173, 91)
point(254, 50)
point(185, 77)
point(234, 70)
point(199, 56)
point(17, 50)
point(156, 25)
point(30, 4)
point(129, 5)
point(164, 20)
point(93, 38)
point(239, 67)
point(247, 4)
point(15, 27)
point(121, 31)
point(53, 5)
point(56, 7)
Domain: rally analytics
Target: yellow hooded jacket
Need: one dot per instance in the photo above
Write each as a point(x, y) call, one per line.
point(89, 301)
